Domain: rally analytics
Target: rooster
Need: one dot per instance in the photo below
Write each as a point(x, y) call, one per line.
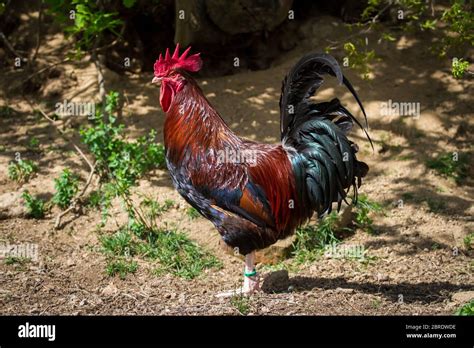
point(254, 193)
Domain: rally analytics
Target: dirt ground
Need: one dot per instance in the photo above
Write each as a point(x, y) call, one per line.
point(413, 269)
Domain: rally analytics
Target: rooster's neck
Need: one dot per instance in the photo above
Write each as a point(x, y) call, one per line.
point(192, 126)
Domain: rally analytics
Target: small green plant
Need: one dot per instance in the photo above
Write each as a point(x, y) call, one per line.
point(376, 303)
point(241, 303)
point(459, 68)
point(90, 21)
point(35, 207)
point(177, 254)
point(467, 309)
point(311, 240)
point(21, 171)
point(15, 260)
point(18, 262)
point(120, 162)
point(152, 209)
point(469, 241)
point(121, 266)
point(450, 165)
point(33, 145)
point(119, 244)
point(66, 187)
point(192, 213)
point(94, 199)
point(118, 159)
point(460, 21)
point(363, 209)
point(173, 250)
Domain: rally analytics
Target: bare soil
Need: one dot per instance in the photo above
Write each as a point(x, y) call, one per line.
point(413, 269)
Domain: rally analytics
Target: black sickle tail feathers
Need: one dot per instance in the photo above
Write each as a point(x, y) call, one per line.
point(324, 160)
point(303, 81)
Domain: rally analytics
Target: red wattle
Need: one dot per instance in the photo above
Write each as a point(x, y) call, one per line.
point(166, 96)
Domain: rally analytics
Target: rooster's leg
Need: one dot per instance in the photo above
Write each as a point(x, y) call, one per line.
point(251, 279)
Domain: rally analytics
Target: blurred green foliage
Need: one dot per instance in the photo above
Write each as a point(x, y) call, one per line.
point(453, 28)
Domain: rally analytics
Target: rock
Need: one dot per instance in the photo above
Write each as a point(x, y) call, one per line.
point(276, 252)
point(463, 297)
point(70, 262)
point(11, 205)
point(345, 217)
point(345, 290)
point(109, 290)
point(276, 282)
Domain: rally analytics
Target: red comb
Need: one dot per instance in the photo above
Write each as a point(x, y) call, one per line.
point(192, 63)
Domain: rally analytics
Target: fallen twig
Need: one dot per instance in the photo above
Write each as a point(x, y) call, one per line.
point(78, 149)
point(45, 68)
point(38, 34)
point(10, 47)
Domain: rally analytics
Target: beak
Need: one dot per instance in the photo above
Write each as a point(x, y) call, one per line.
point(156, 80)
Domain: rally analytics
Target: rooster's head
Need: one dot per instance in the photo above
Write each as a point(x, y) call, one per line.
point(167, 73)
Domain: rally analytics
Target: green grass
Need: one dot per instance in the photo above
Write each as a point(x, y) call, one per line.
point(364, 208)
point(33, 145)
point(469, 241)
point(35, 207)
point(311, 239)
point(450, 165)
point(18, 263)
point(121, 267)
point(14, 260)
point(21, 171)
point(467, 309)
point(119, 244)
point(153, 209)
point(174, 251)
point(376, 303)
point(192, 213)
point(179, 255)
point(241, 303)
